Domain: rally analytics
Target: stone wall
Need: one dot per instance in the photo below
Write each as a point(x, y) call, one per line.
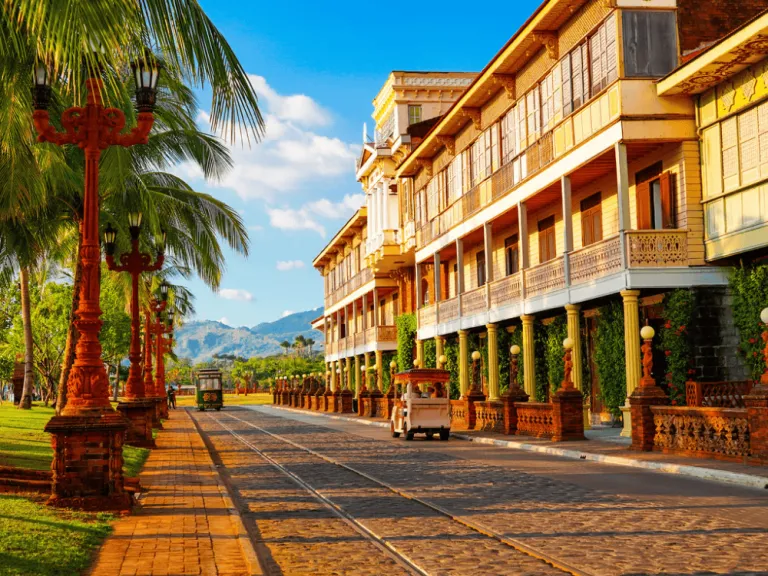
point(716, 338)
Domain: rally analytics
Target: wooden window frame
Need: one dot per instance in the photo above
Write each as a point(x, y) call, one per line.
point(591, 209)
point(480, 258)
point(547, 239)
point(512, 246)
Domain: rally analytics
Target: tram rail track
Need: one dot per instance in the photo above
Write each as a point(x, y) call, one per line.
point(382, 543)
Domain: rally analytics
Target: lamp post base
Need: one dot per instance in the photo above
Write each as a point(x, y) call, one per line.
point(139, 412)
point(164, 408)
point(87, 465)
point(157, 413)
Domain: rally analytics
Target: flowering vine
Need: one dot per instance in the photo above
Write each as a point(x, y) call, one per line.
point(676, 342)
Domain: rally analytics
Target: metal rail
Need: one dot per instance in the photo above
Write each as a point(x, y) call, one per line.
point(471, 524)
point(398, 557)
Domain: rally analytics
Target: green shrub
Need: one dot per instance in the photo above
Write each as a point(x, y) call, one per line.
point(430, 354)
point(676, 342)
point(406, 339)
point(609, 357)
point(750, 295)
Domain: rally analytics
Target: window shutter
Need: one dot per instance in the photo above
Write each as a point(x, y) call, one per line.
point(567, 85)
point(596, 51)
point(667, 202)
point(643, 197)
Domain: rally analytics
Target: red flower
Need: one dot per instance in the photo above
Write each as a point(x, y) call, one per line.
point(691, 371)
point(667, 352)
point(669, 375)
point(667, 325)
point(754, 354)
point(752, 340)
point(682, 328)
point(674, 402)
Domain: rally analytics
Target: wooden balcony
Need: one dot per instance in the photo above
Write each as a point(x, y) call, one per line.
point(657, 248)
point(473, 301)
point(546, 277)
point(448, 310)
point(596, 260)
point(507, 291)
point(346, 346)
point(360, 279)
point(427, 315)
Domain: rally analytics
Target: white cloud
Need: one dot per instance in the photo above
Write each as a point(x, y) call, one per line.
point(287, 313)
point(290, 155)
point(224, 320)
point(256, 228)
point(235, 294)
point(285, 265)
point(306, 217)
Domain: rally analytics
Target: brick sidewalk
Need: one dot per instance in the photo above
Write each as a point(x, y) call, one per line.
point(183, 525)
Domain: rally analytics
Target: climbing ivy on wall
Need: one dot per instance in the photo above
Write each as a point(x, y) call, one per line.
point(749, 286)
point(451, 351)
point(676, 341)
point(556, 332)
point(540, 362)
point(387, 358)
point(504, 344)
point(609, 357)
point(430, 354)
point(406, 339)
point(516, 337)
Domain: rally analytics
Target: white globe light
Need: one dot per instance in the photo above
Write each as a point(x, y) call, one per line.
point(647, 333)
point(764, 316)
point(442, 359)
point(416, 363)
point(568, 343)
point(515, 349)
point(475, 355)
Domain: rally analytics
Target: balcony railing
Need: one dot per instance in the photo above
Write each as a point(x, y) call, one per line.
point(427, 315)
point(596, 260)
point(545, 277)
point(368, 336)
point(473, 301)
point(507, 291)
point(386, 333)
point(448, 310)
point(360, 279)
point(654, 248)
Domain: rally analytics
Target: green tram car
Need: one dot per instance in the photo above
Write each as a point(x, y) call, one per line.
point(208, 390)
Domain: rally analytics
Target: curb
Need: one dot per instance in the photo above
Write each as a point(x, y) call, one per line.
point(699, 472)
point(246, 545)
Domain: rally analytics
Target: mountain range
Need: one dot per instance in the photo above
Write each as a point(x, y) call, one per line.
point(200, 340)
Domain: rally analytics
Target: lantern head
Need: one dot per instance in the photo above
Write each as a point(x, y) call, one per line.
point(146, 73)
point(160, 240)
point(41, 90)
point(514, 349)
point(134, 224)
point(110, 235)
point(647, 333)
point(164, 291)
point(475, 356)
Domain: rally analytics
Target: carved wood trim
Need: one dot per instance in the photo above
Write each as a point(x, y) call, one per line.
point(449, 142)
point(506, 81)
point(425, 165)
point(474, 115)
point(549, 41)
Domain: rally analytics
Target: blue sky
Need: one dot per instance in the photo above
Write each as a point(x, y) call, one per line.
point(316, 67)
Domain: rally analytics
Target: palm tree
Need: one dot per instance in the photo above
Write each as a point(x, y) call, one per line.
point(299, 344)
point(310, 342)
point(285, 345)
point(74, 36)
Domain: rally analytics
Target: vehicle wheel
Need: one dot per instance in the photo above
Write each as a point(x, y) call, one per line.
point(408, 434)
point(444, 434)
point(430, 435)
point(392, 430)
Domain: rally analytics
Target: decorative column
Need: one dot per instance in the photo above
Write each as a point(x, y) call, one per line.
point(647, 394)
point(463, 363)
point(333, 377)
point(631, 352)
point(420, 352)
point(574, 333)
point(567, 413)
point(439, 347)
point(357, 375)
point(379, 381)
point(529, 360)
point(346, 394)
point(493, 363)
point(149, 380)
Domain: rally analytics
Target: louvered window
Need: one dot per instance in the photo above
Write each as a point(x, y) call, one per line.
point(602, 47)
point(508, 137)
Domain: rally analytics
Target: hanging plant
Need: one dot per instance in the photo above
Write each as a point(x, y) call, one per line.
point(749, 287)
point(676, 342)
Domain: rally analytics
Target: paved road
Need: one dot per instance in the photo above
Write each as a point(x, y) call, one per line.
point(526, 513)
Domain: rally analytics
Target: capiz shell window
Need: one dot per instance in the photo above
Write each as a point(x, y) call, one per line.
point(650, 42)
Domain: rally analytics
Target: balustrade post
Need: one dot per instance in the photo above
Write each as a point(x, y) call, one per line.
point(567, 402)
point(514, 393)
point(644, 396)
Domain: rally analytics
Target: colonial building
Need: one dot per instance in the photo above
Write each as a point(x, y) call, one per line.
point(562, 179)
point(368, 266)
point(729, 84)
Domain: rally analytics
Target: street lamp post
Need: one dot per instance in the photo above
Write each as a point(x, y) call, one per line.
point(87, 437)
point(156, 306)
point(163, 345)
point(135, 406)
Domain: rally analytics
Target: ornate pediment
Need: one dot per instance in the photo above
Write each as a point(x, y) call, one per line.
point(449, 142)
point(425, 165)
point(506, 81)
point(474, 115)
point(549, 41)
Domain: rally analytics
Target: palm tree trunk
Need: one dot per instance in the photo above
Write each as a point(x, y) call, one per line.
point(29, 356)
point(72, 334)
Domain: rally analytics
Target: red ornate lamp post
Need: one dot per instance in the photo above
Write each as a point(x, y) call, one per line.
point(156, 307)
point(163, 345)
point(135, 406)
point(87, 437)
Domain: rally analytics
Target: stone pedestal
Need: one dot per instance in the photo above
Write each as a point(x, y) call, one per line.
point(157, 412)
point(362, 399)
point(371, 409)
point(327, 404)
point(626, 418)
point(757, 416)
point(139, 413)
point(87, 463)
point(345, 401)
point(164, 408)
point(335, 400)
point(471, 416)
point(568, 415)
point(643, 428)
point(509, 398)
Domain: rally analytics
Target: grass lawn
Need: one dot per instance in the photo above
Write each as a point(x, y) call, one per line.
point(35, 539)
point(24, 444)
point(230, 399)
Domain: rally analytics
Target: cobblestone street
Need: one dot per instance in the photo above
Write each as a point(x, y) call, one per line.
point(328, 498)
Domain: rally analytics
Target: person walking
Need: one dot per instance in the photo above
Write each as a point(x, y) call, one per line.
point(171, 397)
